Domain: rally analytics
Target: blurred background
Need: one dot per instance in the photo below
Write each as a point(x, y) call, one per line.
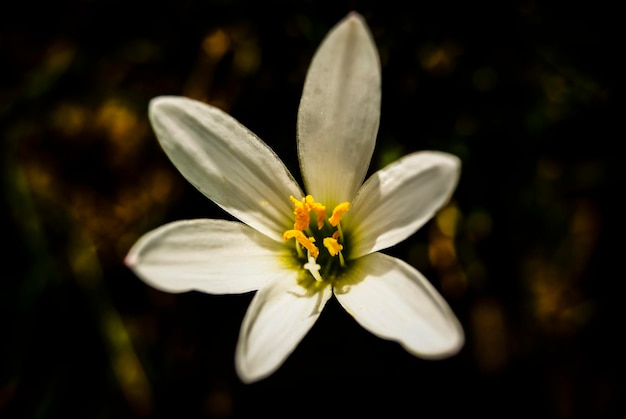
point(526, 252)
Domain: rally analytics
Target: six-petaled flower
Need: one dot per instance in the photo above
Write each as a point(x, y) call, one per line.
point(299, 249)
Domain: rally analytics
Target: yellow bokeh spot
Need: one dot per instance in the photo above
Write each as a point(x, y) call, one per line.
point(447, 220)
point(216, 44)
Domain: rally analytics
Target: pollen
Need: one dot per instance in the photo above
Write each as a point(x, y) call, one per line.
point(326, 259)
point(332, 246)
point(338, 213)
point(319, 209)
point(306, 242)
point(301, 211)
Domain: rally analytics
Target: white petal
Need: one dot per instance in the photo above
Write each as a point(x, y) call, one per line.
point(397, 200)
point(226, 162)
point(279, 316)
point(339, 112)
point(394, 301)
point(213, 256)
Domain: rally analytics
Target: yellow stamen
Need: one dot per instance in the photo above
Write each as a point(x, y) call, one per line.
point(318, 208)
point(332, 245)
point(338, 213)
point(306, 242)
point(301, 212)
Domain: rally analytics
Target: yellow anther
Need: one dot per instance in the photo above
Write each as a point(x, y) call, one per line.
point(303, 208)
point(301, 212)
point(318, 208)
point(338, 213)
point(306, 242)
point(332, 245)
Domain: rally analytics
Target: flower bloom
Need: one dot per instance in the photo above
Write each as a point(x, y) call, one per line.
point(297, 250)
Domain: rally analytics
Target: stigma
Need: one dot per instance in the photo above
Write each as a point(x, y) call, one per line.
point(307, 231)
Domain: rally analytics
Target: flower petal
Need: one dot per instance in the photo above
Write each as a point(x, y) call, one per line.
point(397, 200)
point(226, 162)
point(213, 256)
point(394, 301)
point(279, 316)
point(339, 112)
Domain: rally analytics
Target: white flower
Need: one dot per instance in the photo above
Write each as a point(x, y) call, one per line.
point(298, 250)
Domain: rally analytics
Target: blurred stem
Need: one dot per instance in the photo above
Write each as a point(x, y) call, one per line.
point(126, 366)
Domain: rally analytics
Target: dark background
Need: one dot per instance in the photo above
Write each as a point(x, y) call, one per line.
point(527, 253)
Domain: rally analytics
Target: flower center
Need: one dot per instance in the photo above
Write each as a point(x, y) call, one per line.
point(322, 262)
